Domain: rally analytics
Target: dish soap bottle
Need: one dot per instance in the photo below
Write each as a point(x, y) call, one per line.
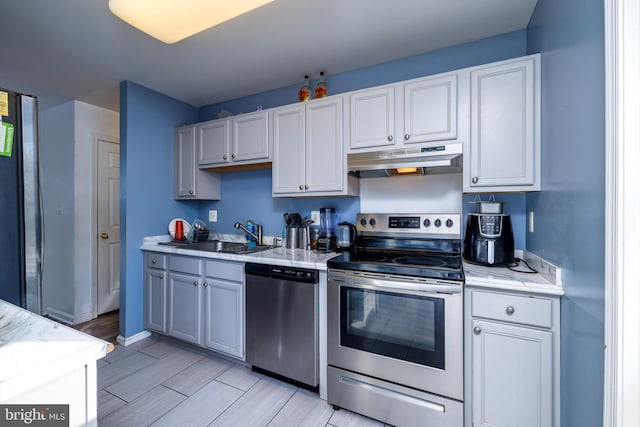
point(304, 94)
point(321, 88)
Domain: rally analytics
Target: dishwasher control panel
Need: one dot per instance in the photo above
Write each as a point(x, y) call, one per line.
point(293, 274)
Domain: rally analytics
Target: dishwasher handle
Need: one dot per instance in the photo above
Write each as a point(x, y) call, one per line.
point(294, 274)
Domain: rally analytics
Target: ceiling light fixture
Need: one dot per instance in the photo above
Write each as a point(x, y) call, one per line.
point(173, 20)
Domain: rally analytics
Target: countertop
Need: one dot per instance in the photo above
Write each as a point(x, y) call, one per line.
point(548, 280)
point(277, 256)
point(35, 350)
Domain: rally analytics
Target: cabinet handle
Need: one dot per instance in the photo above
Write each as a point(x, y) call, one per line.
point(195, 283)
point(390, 138)
point(477, 330)
point(510, 310)
point(190, 191)
point(301, 187)
point(153, 261)
point(162, 276)
point(224, 157)
point(406, 136)
point(306, 186)
point(233, 156)
point(474, 180)
point(205, 284)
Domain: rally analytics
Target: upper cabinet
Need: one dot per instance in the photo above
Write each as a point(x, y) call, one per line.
point(239, 140)
point(503, 153)
point(191, 183)
point(415, 111)
point(309, 157)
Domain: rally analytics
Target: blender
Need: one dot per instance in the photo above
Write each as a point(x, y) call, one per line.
point(327, 239)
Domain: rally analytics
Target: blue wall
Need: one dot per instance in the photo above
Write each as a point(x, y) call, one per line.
point(147, 120)
point(570, 209)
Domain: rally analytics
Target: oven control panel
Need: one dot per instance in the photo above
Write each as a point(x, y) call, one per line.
point(447, 225)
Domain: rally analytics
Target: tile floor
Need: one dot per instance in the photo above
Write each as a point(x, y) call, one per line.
point(161, 383)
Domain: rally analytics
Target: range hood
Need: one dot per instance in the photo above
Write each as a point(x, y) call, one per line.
point(425, 160)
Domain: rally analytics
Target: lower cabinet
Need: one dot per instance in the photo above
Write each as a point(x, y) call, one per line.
point(196, 300)
point(514, 360)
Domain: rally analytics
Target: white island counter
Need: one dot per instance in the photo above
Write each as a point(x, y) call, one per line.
point(45, 363)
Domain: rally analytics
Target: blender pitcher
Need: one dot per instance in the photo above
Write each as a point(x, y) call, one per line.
point(327, 239)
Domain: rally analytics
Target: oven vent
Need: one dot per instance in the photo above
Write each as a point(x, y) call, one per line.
point(429, 160)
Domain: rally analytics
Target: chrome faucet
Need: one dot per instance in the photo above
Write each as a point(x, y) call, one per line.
point(257, 238)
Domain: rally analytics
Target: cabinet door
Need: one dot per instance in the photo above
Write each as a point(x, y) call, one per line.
point(325, 162)
point(288, 169)
point(184, 307)
point(505, 147)
point(185, 163)
point(372, 116)
point(224, 317)
point(430, 109)
point(155, 300)
point(213, 143)
point(250, 137)
point(512, 376)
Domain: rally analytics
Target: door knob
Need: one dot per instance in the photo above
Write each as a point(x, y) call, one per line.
point(477, 330)
point(104, 236)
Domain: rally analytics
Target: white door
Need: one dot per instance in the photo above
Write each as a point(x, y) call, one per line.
point(372, 118)
point(108, 210)
point(288, 150)
point(324, 151)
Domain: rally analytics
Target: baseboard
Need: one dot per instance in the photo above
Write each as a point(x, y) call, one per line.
point(125, 341)
point(60, 316)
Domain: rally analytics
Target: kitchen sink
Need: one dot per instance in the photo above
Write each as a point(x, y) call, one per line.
point(219, 246)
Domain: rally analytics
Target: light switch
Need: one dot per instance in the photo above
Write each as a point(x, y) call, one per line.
point(213, 216)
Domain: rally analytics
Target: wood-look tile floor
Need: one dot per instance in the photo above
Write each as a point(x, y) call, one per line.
point(159, 382)
point(106, 326)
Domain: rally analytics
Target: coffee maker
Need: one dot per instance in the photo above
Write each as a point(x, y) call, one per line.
point(488, 239)
point(327, 240)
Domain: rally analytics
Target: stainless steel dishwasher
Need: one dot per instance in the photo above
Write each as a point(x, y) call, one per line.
point(282, 321)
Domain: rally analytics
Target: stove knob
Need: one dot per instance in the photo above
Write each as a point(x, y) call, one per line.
point(426, 222)
point(363, 222)
point(372, 222)
point(449, 223)
point(437, 222)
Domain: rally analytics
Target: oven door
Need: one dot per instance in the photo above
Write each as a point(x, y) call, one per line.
point(405, 331)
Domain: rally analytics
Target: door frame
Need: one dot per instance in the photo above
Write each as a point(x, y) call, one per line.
point(96, 137)
point(622, 204)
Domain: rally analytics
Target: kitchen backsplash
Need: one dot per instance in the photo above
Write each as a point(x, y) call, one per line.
point(246, 195)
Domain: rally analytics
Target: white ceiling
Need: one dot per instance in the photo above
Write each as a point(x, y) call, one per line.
point(76, 49)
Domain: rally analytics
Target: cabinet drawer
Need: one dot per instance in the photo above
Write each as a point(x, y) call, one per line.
point(185, 264)
point(155, 260)
point(512, 308)
point(226, 270)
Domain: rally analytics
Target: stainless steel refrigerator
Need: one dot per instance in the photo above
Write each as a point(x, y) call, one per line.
point(20, 203)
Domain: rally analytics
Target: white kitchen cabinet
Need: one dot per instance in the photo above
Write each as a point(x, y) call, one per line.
point(155, 292)
point(239, 140)
point(185, 301)
point(224, 307)
point(309, 158)
point(372, 117)
point(200, 301)
point(191, 183)
point(514, 376)
point(410, 112)
point(504, 149)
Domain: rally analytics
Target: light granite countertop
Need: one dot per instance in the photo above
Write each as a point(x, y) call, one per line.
point(548, 280)
point(35, 350)
point(276, 256)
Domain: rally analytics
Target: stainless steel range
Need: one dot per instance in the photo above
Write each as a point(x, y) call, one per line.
point(395, 349)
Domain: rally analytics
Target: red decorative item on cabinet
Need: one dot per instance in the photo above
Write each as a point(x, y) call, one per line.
point(304, 94)
point(321, 88)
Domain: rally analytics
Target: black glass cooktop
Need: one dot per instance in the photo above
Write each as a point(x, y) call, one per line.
point(421, 263)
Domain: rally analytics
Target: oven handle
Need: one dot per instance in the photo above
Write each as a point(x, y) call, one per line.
point(383, 281)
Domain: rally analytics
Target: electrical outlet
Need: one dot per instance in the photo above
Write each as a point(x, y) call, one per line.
point(213, 216)
point(315, 217)
point(531, 225)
